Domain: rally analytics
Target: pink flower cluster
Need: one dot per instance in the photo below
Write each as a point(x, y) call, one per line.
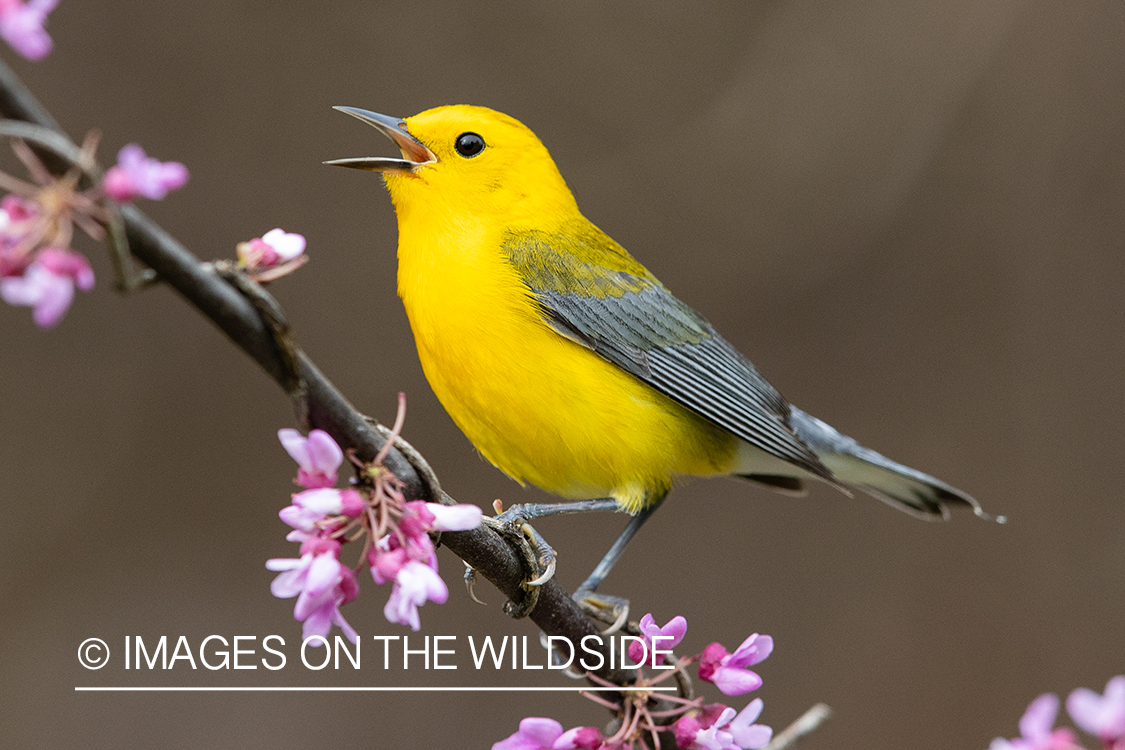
point(43, 279)
point(37, 267)
point(273, 248)
point(398, 549)
point(547, 734)
point(138, 175)
point(1100, 715)
point(21, 26)
point(699, 727)
point(728, 671)
point(718, 727)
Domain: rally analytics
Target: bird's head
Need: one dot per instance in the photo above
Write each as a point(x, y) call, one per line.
point(462, 159)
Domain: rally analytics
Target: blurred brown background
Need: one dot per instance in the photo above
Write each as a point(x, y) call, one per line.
point(910, 216)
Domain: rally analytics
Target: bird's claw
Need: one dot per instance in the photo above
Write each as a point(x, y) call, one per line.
point(537, 556)
point(470, 581)
point(545, 562)
point(611, 611)
point(548, 572)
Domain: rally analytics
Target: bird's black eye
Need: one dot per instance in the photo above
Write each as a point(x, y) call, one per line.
point(469, 145)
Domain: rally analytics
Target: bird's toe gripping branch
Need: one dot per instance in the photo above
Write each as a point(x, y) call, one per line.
point(610, 611)
point(539, 558)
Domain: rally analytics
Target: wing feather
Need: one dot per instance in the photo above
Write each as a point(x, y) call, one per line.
point(621, 312)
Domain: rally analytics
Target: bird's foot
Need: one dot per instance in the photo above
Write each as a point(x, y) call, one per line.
point(610, 611)
point(515, 520)
point(538, 556)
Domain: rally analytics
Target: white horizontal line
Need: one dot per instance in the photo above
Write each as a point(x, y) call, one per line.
point(385, 689)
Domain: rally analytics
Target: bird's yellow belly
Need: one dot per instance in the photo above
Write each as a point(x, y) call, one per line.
point(544, 409)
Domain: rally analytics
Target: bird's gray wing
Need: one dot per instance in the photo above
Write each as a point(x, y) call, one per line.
point(595, 294)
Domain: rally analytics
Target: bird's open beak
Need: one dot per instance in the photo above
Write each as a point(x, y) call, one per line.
point(414, 153)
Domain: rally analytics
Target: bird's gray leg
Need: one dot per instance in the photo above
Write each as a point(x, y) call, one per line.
point(531, 511)
point(515, 521)
point(612, 609)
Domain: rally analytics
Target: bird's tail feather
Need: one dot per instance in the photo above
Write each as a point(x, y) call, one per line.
point(862, 469)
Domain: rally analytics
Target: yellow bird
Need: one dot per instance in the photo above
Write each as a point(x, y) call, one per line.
point(565, 362)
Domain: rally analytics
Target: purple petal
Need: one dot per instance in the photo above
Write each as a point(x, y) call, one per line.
point(420, 583)
point(748, 715)
point(288, 245)
point(753, 737)
point(54, 302)
point(282, 563)
point(745, 732)
point(401, 610)
point(297, 517)
point(349, 631)
point(648, 625)
point(25, 290)
point(677, 628)
point(540, 730)
point(454, 517)
point(296, 445)
point(753, 650)
point(131, 156)
point(324, 574)
point(324, 454)
point(322, 501)
point(1103, 716)
point(319, 622)
point(1085, 706)
point(291, 582)
point(21, 26)
point(1039, 718)
point(736, 681)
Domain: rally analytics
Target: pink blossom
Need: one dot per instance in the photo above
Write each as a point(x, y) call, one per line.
point(317, 456)
point(386, 561)
point(18, 211)
point(271, 249)
point(21, 26)
point(412, 542)
point(745, 732)
point(313, 507)
point(657, 638)
point(416, 519)
point(415, 584)
point(321, 584)
point(47, 284)
point(1101, 715)
point(579, 738)
point(137, 174)
point(535, 733)
point(704, 730)
point(17, 219)
point(728, 671)
point(1036, 728)
point(717, 727)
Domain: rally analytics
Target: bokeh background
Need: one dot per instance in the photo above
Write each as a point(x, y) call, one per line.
point(910, 215)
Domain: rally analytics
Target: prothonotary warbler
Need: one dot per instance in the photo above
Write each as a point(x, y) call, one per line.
point(568, 364)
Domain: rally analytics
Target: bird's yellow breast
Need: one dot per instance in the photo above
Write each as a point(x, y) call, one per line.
point(542, 408)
